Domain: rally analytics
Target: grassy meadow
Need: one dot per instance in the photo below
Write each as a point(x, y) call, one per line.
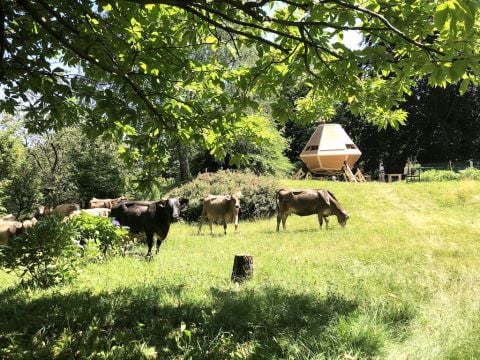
point(400, 281)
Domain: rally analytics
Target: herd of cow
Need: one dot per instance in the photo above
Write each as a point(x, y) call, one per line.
point(155, 217)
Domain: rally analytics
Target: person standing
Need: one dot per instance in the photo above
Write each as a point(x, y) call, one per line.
point(407, 170)
point(381, 171)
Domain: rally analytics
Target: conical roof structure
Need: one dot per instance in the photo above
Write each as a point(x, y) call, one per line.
point(328, 148)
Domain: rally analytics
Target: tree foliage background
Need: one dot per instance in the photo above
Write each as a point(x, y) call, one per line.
point(149, 72)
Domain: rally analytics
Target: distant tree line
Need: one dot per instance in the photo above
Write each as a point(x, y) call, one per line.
point(441, 126)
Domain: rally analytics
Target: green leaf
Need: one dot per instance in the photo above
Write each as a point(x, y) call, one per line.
point(457, 70)
point(440, 19)
point(464, 86)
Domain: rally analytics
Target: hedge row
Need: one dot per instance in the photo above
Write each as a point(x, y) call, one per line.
point(448, 175)
point(258, 193)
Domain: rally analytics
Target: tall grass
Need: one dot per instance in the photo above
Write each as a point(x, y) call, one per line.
point(400, 281)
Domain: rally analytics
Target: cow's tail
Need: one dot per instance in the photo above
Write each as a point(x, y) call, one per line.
point(277, 196)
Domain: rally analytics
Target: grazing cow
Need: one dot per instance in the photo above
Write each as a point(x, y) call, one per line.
point(8, 229)
point(105, 203)
point(8, 217)
point(151, 217)
point(309, 202)
point(220, 207)
point(102, 212)
point(28, 223)
point(62, 209)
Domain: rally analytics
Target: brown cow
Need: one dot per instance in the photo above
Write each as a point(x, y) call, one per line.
point(8, 217)
point(105, 203)
point(220, 207)
point(28, 223)
point(62, 210)
point(8, 229)
point(102, 212)
point(308, 202)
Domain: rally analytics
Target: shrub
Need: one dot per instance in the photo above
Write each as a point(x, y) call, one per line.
point(440, 175)
point(47, 253)
point(470, 174)
point(258, 192)
point(99, 232)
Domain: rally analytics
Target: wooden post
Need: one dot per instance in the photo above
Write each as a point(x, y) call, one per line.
point(242, 268)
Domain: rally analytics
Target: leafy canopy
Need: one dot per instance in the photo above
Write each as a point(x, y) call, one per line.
point(146, 70)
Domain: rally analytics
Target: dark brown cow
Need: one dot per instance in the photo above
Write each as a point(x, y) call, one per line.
point(220, 207)
point(151, 217)
point(308, 202)
point(105, 203)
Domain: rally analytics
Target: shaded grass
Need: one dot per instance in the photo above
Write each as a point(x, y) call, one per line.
point(400, 281)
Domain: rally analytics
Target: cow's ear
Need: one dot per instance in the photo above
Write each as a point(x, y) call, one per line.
point(325, 195)
point(183, 201)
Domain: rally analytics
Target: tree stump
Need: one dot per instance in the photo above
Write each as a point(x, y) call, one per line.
point(242, 268)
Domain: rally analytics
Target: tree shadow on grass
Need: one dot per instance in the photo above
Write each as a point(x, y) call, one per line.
point(142, 322)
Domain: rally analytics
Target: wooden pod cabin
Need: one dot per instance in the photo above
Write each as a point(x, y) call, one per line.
point(327, 150)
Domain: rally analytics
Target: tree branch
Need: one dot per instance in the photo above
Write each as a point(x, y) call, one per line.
point(82, 54)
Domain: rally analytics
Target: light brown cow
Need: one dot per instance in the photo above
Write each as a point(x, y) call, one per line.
point(62, 210)
point(308, 202)
point(8, 229)
point(28, 223)
point(224, 208)
point(102, 212)
point(8, 217)
point(105, 203)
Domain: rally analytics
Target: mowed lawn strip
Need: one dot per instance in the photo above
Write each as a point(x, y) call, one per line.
point(401, 280)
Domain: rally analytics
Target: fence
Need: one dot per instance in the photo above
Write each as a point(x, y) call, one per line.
point(452, 165)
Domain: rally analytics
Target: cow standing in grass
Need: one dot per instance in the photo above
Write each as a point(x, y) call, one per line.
point(308, 202)
point(152, 217)
point(224, 208)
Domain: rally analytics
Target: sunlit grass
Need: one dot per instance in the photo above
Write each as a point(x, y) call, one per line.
point(400, 281)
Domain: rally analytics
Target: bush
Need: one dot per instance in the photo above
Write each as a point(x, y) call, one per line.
point(47, 253)
point(99, 233)
point(470, 174)
point(258, 193)
point(440, 175)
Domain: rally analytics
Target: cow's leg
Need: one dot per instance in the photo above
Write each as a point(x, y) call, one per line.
point(162, 236)
point(320, 220)
point(200, 224)
point(210, 223)
point(224, 227)
point(326, 222)
point(159, 242)
point(235, 222)
point(284, 220)
point(149, 242)
point(279, 218)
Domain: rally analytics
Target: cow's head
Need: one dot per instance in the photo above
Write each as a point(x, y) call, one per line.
point(44, 210)
point(342, 218)
point(234, 199)
point(176, 204)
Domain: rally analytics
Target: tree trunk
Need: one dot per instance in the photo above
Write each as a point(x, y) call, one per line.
point(184, 162)
point(242, 268)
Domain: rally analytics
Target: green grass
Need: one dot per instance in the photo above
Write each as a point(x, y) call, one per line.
point(401, 280)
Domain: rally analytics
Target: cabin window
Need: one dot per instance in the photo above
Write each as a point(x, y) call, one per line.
point(312, 148)
point(350, 146)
